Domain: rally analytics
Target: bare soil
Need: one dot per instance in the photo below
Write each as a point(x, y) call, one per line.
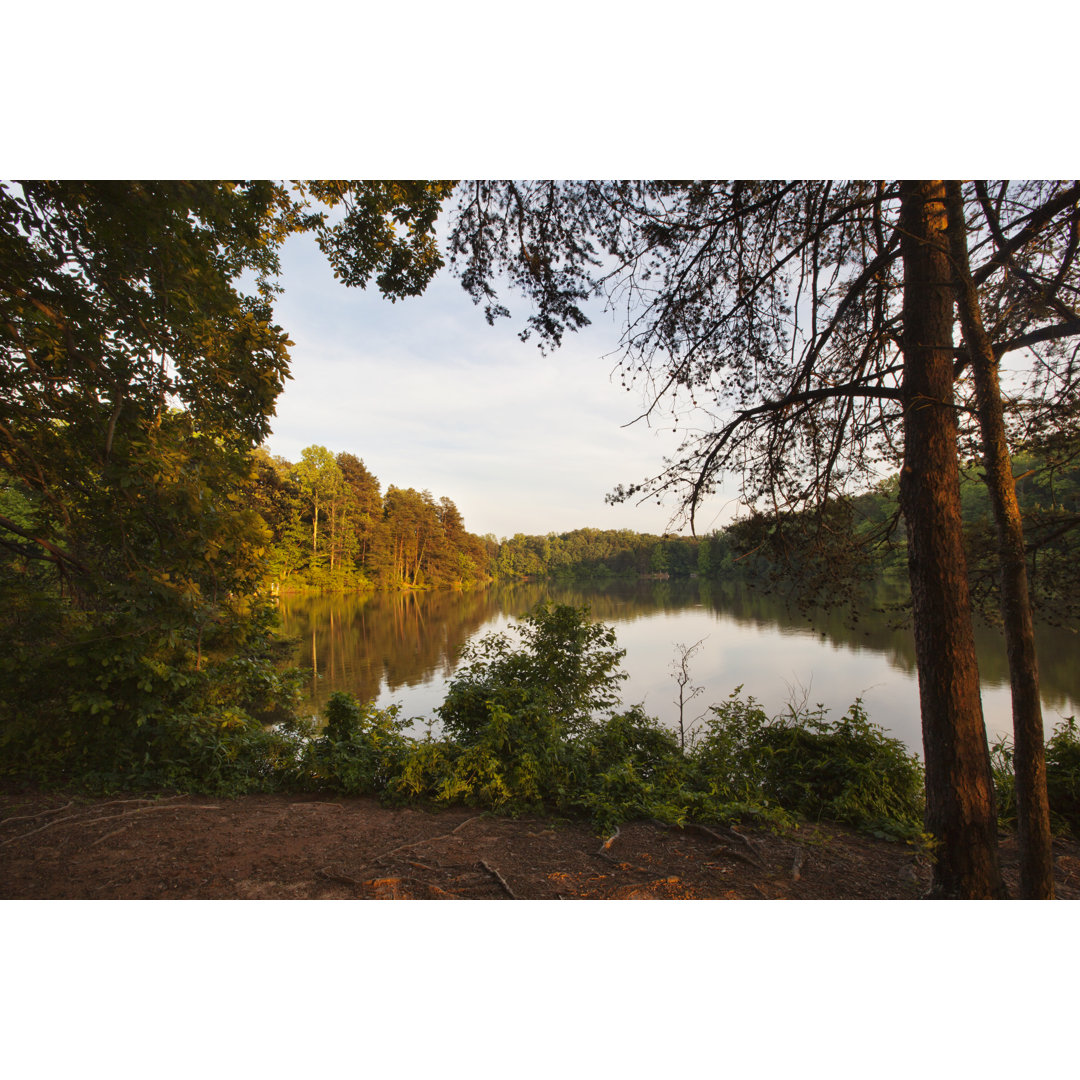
point(56, 846)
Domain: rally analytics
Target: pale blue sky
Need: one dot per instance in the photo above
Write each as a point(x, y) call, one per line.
point(430, 396)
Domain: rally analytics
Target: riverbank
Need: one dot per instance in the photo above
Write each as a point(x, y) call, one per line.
point(54, 846)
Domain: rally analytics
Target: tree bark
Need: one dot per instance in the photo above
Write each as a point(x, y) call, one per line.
point(1033, 805)
point(960, 806)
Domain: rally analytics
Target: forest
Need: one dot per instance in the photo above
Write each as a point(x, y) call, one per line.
point(838, 333)
point(333, 529)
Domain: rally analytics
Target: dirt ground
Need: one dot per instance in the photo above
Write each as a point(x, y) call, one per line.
point(55, 846)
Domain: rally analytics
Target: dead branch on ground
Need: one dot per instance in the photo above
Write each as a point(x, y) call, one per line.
point(500, 879)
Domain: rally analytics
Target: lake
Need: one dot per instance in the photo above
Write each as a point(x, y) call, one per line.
point(402, 648)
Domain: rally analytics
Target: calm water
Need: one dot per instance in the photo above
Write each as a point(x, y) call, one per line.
point(403, 647)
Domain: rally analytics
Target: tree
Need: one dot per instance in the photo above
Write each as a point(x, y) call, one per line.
point(119, 301)
point(413, 532)
point(320, 480)
point(810, 326)
point(273, 492)
point(136, 375)
point(364, 503)
point(554, 641)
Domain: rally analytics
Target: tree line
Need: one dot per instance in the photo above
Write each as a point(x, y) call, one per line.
point(775, 550)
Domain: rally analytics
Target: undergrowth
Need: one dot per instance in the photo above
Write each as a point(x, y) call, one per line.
point(1062, 778)
point(531, 725)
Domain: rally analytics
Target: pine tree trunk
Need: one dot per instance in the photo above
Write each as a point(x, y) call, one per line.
point(960, 807)
point(1032, 801)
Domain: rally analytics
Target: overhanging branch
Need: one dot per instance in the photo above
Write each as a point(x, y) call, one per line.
point(780, 405)
point(58, 555)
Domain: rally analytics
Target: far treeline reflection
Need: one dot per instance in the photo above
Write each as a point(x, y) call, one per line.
point(375, 642)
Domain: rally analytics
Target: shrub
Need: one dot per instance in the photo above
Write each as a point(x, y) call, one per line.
point(632, 768)
point(1063, 775)
point(565, 666)
point(1062, 778)
point(361, 749)
point(802, 763)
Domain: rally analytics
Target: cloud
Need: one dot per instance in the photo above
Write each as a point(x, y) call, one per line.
point(432, 397)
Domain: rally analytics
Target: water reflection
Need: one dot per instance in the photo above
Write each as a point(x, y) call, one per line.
point(402, 647)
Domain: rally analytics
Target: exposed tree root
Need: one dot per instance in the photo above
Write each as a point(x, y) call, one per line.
point(602, 853)
point(141, 810)
point(34, 817)
point(427, 840)
point(115, 832)
point(752, 858)
point(467, 821)
point(78, 818)
point(610, 840)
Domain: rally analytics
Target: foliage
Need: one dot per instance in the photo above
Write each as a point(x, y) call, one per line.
point(1063, 773)
point(634, 768)
point(387, 231)
point(803, 763)
point(139, 366)
point(360, 750)
point(1062, 777)
point(134, 710)
point(566, 667)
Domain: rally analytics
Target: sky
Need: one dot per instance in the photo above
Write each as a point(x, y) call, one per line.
point(431, 397)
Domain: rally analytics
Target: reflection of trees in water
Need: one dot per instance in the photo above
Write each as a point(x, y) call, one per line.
point(366, 642)
point(875, 626)
point(361, 642)
point(878, 625)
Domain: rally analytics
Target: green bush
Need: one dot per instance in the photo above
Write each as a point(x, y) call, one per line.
point(138, 708)
point(632, 768)
point(805, 764)
point(1062, 778)
point(360, 751)
point(565, 666)
point(1063, 774)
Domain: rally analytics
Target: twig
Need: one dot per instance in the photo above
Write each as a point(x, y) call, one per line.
point(499, 878)
point(693, 826)
point(603, 850)
point(729, 832)
point(425, 840)
point(731, 853)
